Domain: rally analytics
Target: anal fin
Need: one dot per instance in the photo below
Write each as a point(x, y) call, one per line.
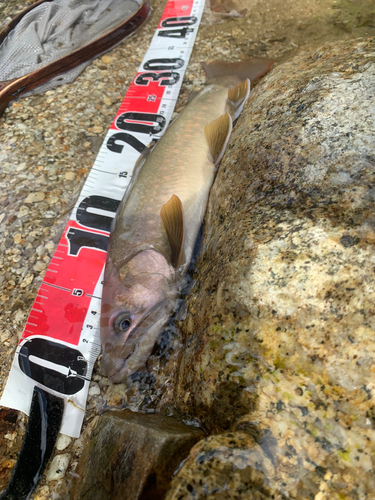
point(173, 220)
point(217, 135)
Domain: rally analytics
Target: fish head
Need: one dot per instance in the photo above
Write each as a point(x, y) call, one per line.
point(137, 301)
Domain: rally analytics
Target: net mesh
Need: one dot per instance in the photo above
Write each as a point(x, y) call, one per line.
point(54, 29)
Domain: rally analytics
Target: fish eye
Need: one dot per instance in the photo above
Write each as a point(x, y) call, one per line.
point(122, 322)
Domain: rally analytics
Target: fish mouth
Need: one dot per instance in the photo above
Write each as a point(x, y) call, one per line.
point(119, 372)
point(119, 363)
point(116, 369)
point(114, 361)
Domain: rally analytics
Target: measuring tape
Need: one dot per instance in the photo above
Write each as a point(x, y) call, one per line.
point(61, 342)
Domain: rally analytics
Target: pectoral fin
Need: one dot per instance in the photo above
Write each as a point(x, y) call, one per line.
point(173, 219)
point(237, 97)
point(217, 135)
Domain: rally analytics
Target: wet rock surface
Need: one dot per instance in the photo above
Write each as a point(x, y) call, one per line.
point(132, 455)
point(49, 143)
point(280, 325)
point(224, 466)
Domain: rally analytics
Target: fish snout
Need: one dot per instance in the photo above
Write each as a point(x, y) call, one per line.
point(112, 367)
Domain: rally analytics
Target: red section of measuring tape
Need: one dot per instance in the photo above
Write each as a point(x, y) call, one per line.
point(149, 102)
point(179, 8)
point(60, 308)
point(149, 93)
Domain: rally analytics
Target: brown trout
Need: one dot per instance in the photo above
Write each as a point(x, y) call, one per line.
point(158, 220)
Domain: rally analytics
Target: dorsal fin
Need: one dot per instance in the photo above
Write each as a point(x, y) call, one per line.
point(217, 135)
point(237, 97)
point(173, 219)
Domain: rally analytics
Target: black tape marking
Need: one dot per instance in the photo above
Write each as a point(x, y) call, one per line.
point(43, 427)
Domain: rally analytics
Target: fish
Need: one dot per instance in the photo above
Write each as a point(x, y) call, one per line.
point(159, 218)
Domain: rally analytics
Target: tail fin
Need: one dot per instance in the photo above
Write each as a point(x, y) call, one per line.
point(251, 68)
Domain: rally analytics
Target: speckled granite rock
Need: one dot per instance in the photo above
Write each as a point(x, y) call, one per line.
point(227, 466)
point(132, 456)
point(279, 333)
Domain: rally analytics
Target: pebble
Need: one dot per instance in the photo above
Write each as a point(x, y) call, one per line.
point(43, 493)
point(97, 129)
point(11, 436)
point(50, 246)
point(23, 211)
point(40, 266)
point(115, 400)
point(4, 335)
point(40, 250)
point(69, 176)
point(49, 214)
point(78, 445)
point(27, 280)
point(19, 316)
point(52, 200)
point(58, 467)
point(94, 390)
point(35, 197)
point(107, 59)
point(17, 238)
point(63, 442)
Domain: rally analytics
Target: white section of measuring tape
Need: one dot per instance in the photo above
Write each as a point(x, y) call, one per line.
point(149, 94)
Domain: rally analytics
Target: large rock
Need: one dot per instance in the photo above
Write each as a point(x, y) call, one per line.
point(280, 328)
point(225, 467)
point(132, 456)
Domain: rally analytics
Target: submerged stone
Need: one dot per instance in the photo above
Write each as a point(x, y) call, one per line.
point(280, 325)
point(133, 456)
point(226, 466)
